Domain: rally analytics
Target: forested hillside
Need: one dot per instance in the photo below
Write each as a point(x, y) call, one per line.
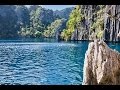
point(82, 22)
point(87, 22)
point(20, 21)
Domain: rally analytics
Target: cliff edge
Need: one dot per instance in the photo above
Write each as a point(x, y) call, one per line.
point(101, 65)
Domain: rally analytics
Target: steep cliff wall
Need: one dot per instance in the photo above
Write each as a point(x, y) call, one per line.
point(101, 21)
point(101, 65)
point(112, 23)
point(83, 32)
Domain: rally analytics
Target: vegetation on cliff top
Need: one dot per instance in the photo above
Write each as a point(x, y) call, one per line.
point(74, 19)
point(53, 28)
point(20, 21)
point(84, 22)
point(98, 24)
point(77, 17)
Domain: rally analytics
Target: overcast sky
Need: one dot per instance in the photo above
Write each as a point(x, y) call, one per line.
point(55, 7)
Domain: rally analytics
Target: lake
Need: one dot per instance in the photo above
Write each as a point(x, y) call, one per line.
point(42, 62)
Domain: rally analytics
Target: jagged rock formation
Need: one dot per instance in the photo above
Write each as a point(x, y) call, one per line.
point(84, 33)
point(111, 22)
point(13, 17)
point(101, 65)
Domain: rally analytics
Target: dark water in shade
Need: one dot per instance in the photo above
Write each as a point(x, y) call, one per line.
point(42, 62)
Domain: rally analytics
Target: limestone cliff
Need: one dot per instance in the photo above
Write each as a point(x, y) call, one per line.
point(84, 32)
point(112, 23)
point(101, 65)
point(107, 17)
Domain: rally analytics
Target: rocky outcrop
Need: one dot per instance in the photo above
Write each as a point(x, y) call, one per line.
point(101, 65)
point(112, 23)
point(83, 31)
point(91, 13)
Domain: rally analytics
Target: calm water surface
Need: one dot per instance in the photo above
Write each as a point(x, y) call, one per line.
point(42, 62)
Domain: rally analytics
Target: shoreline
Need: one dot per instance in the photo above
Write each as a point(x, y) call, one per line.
point(42, 38)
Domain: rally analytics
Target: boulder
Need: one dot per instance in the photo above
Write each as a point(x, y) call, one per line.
point(101, 65)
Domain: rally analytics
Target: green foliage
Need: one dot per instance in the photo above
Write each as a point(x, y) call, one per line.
point(20, 21)
point(74, 19)
point(38, 34)
point(24, 31)
point(8, 21)
point(98, 24)
point(35, 21)
point(66, 34)
point(42, 24)
point(53, 27)
point(36, 28)
point(99, 34)
point(23, 15)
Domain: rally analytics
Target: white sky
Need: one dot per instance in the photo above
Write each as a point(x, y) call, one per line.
point(55, 7)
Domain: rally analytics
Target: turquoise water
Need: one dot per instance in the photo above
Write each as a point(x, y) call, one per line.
point(42, 62)
point(115, 46)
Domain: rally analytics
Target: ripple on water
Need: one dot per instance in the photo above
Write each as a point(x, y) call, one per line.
point(41, 63)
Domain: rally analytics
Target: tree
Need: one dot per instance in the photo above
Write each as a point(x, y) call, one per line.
point(73, 22)
point(36, 28)
point(98, 25)
point(8, 21)
point(54, 27)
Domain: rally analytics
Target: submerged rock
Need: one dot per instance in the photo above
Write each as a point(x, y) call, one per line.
point(101, 65)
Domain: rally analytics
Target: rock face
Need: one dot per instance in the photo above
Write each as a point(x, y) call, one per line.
point(101, 65)
point(111, 22)
point(84, 32)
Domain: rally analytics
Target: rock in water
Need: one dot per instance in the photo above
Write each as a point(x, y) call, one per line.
point(101, 65)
